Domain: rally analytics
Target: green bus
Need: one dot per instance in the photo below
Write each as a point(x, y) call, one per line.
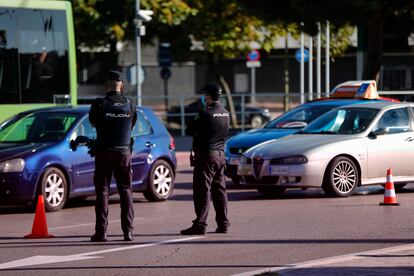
point(37, 55)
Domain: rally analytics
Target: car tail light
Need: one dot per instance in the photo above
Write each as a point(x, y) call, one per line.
point(172, 143)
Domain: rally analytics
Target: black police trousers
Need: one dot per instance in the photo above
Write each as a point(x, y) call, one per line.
point(118, 163)
point(209, 182)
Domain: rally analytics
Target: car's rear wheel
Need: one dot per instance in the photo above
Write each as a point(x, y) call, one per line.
point(341, 177)
point(54, 188)
point(271, 191)
point(256, 121)
point(161, 181)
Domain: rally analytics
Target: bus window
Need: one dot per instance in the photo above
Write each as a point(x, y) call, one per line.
point(37, 55)
point(33, 55)
point(43, 54)
point(9, 81)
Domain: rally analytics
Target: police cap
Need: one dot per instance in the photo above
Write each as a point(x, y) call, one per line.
point(213, 90)
point(114, 75)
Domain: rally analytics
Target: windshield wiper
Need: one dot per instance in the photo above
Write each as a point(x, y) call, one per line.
point(326, 132)
point(318, 132)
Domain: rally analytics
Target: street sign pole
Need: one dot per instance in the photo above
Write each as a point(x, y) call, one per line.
point(318, 62)
point(253, 84)
point(253, 61)
point(286, 69)
point(302, 67)
point(138, 54)
point(310, 94)
point(327, 60)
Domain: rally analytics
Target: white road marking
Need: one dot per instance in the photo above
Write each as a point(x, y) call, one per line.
point(38, 260)
point(331, 260)
point(85, 224)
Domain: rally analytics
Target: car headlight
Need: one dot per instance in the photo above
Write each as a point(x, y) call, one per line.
point(295, 159)
point(13, 165)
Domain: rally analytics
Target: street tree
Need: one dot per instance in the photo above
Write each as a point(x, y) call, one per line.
point(222, 29)
point(371, 17)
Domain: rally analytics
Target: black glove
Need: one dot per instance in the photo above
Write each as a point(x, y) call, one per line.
point(91, 144)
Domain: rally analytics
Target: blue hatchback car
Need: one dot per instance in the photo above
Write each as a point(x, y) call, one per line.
point(43, 152)
point(288, 123)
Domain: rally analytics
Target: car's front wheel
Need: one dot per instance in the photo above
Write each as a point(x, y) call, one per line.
point(161, 181)
point(54, 188)
point(341, 177)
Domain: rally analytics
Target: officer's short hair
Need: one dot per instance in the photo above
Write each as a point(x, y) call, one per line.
point(213, 90)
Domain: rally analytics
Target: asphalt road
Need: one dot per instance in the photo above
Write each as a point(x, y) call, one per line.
point(298, 226)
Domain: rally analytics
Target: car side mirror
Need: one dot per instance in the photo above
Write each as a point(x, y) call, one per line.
point(79, 141)
point(378, 132)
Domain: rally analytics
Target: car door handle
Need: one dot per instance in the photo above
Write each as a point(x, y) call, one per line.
point(149, 145)
point(409, 139)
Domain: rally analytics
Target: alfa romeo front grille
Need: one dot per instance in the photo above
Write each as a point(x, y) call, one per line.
point(257, 167)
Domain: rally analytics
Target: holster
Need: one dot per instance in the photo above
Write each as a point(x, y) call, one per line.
point(91, 144)
point(131, 144)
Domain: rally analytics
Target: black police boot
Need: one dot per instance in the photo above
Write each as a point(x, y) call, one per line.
point(99, 237)
point(194, 230)
point(223, 229)
point(128, 236)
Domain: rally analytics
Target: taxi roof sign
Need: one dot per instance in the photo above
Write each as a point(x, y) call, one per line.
point(366, 89)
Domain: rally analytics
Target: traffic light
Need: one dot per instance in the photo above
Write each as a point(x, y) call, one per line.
point(164, 55)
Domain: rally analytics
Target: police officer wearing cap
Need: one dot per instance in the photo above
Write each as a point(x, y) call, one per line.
point(209, 131)
point(114, 117)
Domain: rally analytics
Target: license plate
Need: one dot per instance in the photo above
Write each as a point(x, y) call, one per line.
point(234, 161)
point(278, 170)
point(245, 169)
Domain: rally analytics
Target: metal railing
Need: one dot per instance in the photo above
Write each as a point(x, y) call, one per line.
point(182, 109)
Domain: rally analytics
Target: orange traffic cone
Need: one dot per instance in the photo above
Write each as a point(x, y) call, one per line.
point(39, 229)
point(389, 195)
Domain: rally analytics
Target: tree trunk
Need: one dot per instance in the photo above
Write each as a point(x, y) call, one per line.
point(212, 65)
point(374, 47)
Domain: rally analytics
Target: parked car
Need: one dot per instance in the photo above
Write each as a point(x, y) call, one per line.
point(295, 120)
point(254, 116)
point(346, 147)
point(43, 152)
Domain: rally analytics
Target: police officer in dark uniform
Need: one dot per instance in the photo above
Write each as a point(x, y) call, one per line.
point(114, 117)
point(209, 131)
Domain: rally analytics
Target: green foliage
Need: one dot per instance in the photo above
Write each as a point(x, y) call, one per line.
point(102, 22)
point(169, 12)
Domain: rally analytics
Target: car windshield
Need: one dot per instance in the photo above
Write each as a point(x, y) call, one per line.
point(299, 117)
point(37, 127)
point(342, 121)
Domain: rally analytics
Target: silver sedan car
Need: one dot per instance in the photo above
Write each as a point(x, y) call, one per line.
point(344, 148)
